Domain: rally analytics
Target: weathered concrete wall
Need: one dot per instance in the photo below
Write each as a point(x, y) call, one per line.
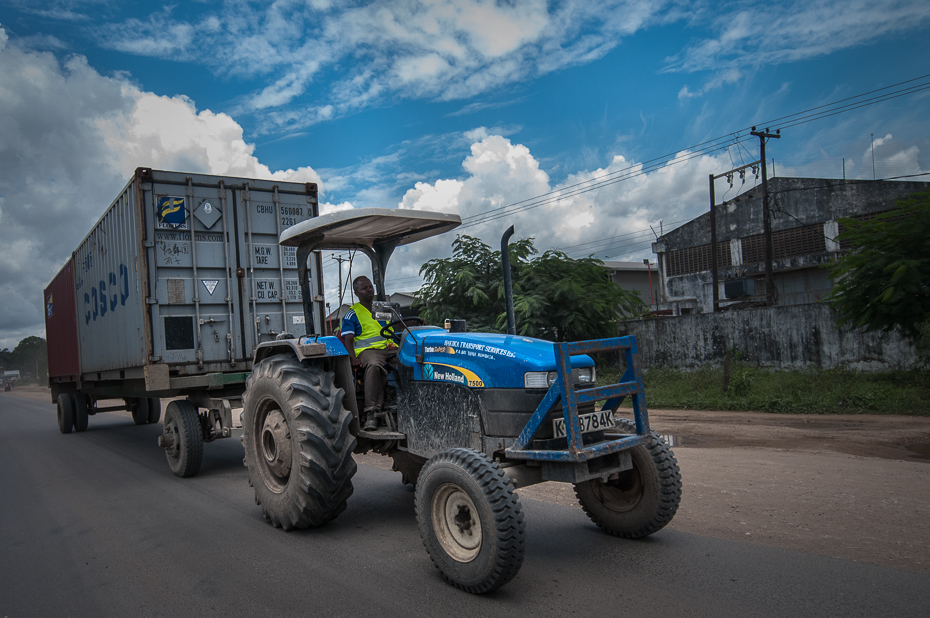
point(790, 337)
point(796, 201)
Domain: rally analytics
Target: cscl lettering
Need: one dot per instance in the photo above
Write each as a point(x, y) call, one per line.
point(107, 295)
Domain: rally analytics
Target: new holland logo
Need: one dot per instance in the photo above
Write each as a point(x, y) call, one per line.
point(428, 370)
point(170, 213)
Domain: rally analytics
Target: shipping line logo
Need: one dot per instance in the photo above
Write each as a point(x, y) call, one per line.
point(451, 373)
point(49, 306)
point(170, 213)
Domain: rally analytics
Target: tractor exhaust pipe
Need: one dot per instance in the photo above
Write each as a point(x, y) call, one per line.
point(508, 284)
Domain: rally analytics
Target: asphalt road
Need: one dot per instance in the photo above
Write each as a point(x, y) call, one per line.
point(94, 524)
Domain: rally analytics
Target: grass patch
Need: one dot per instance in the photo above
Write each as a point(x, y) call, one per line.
point(815, 391)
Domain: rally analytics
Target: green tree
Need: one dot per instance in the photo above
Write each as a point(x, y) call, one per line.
point(31, 356)
point(884, 281)
point(555, 297)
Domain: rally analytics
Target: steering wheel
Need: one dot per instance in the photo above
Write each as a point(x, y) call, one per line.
point(387, 334)
point(395, 337)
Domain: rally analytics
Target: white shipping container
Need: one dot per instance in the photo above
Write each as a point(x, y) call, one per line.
point(183, 276)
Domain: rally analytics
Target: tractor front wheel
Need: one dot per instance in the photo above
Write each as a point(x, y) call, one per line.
point(639, 501)
point(470, 519)
point(298, 447)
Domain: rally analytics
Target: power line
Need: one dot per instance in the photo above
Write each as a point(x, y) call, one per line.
point(718, 143)
point(722, 142)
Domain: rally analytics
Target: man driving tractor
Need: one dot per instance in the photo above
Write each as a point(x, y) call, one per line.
point(368, 349)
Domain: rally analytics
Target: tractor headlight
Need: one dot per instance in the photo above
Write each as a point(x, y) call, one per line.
point(538, 379)
point(586, 375)
point(545, 379)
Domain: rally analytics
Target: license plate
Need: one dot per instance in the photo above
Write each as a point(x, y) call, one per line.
point(589, 422)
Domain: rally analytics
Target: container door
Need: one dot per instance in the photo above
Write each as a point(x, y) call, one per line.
point(195, 318)
point(272, 299)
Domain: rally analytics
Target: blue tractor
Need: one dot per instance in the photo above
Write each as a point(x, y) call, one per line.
point(473, 417)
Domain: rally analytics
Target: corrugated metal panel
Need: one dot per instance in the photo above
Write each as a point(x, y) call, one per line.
point(177, 272)
point(196, 316)
point(61, 324)
point(109, 286)
point(272, 300)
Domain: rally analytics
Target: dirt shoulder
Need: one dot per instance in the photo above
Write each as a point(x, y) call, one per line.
point(850, 487)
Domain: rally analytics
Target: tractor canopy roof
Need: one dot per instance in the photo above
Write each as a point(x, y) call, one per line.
point(367, 228)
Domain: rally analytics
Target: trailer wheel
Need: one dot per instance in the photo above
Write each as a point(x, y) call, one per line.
point(65, 413)
point(139, 410)
point(154, 409)
point(470, 519)
point(639, 501)
point(298, 447)
point(182, 438)
point(80, 411)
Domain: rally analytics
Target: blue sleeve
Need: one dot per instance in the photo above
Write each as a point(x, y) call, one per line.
point(351, 325)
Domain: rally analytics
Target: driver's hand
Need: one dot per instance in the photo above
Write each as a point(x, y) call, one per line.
point(356, 361)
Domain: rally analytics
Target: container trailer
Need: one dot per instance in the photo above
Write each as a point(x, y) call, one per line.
point(170, 294)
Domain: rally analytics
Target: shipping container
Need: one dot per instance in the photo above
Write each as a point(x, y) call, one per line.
point(177, 283)
point(61, 325)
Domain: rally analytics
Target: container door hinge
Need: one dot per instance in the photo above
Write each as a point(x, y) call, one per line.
point(151, 301)
point(154, 359)
point(148, 244)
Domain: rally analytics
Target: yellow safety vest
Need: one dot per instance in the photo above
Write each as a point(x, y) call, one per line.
point(370, 337)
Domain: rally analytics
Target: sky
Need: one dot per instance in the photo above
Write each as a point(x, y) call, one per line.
point(615, 111)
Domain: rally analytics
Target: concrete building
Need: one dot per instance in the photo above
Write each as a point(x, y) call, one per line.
point(805, 214)
point(636, 277)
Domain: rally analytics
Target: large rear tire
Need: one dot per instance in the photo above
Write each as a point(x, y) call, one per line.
point(298, 447)
point(639, 501)
point(471, 520)
point(81, 406)
point(65, 412)
point(182, 438)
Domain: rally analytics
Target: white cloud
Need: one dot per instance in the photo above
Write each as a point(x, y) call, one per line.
point(69, 140)
point(445, 49)
point(599, 221)
point(755, 35)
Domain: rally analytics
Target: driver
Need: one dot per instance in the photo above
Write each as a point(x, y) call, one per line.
point(368, 349)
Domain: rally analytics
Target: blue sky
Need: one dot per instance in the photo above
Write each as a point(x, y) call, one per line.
point(462, 106)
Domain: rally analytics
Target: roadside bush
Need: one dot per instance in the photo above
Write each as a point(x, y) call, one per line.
point(814, 391)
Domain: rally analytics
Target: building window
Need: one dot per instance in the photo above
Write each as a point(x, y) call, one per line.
point(696, 259)
point(785, 243)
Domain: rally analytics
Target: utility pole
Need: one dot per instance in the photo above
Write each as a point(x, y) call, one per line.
point(340, 259)
point(714, 266)
point(766, 215)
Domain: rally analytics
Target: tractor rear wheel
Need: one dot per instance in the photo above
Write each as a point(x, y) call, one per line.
point(639, 501)
point(470, 519)
point(298, 447)
point(65, 413)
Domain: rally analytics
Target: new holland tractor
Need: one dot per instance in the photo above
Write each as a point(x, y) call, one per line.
point(469, 418)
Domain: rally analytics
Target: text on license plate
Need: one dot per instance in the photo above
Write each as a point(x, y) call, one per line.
point(589, 422)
